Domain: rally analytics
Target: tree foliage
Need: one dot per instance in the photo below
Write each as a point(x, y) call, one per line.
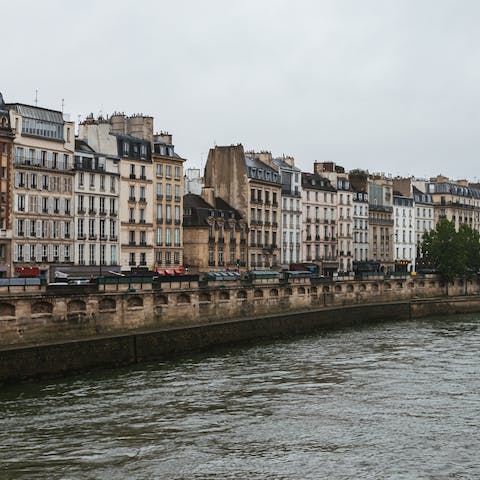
point(452, 253)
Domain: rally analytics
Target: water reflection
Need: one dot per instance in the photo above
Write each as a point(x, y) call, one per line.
point(393, 401)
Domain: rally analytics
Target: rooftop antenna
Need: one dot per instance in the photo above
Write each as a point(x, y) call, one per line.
point(63, 103)
point(36, 98)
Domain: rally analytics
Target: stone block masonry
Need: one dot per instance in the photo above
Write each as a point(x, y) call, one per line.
point(48, 334)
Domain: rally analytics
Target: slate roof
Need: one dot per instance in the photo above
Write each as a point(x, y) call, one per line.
point(200, 210)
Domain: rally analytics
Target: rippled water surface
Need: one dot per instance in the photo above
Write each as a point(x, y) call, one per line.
point(399, 400)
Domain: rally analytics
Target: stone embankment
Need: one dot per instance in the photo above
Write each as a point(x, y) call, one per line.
point(53, 332)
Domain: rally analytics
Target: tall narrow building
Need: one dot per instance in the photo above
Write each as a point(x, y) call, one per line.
point(168, 202)
point(129, 139)
point(291, 211)
point(6, 164)
point(250, 183)
point(43, 190)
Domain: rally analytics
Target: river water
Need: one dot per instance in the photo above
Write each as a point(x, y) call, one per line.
point(392, 401)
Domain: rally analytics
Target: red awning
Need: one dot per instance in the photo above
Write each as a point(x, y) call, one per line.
point(27, 271)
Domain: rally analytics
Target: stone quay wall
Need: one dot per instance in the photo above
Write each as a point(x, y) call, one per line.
point(49, 334)
point(32, 316)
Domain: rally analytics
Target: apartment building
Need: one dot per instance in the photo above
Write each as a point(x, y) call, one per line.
point(404, 241)
point(129, 139)
point(251, 184)
point(193, 181)
point(337, 176)
point(43, 176)
point(96, 191)
point(360, 226)
point(215, 234)
point(319, 202)
point(291, 211)
point(424, 215)
point(423, 210)
point(457, 201)
point(6, 165)
point(379, 189)
point(168, 202)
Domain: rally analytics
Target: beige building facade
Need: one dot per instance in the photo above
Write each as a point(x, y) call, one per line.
point(251, 184)
point(116, 136)
point(168, 203)
point(214, 234)
point(43, 176)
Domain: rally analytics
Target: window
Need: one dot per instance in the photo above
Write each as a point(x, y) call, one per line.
point(159, 170)
point(177, 173)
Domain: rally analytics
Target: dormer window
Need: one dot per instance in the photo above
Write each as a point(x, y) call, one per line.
point(125, 149)
point(143, 150)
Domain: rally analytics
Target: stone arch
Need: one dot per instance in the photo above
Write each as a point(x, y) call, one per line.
point(313, 290)
point(460, 283)
point(242, 294)
point(431, 283)
point(325, 289)
point(374, 287)
point(183, 298)
point(135, 301)
point(76, 306)
point(224, 295)
point(421, 284)
point(288, 292)
point(7, 309)
point(161, 300)
point(258, 293)
point(362, 287)
point(107, 304)
point(349, 288)
point(388, 286)
point(410, 285)
point(301, 290)
point(274, 292)
point(39, 308)
point(204, 297)
point(399, 285)
point(338, 288)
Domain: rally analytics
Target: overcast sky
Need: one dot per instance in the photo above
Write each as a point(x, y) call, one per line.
point(385, 85)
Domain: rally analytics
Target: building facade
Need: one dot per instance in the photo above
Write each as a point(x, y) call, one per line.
point(43, 190)
point(319, 202)
point(251, 184)
point(6, 165)
point(168, 201)
point(97, 193)
point(129, 139)
point(360, 226)
point(337, 176)
point(291, 212)
point(458, 202)
point(214, 234)
point(404, 240)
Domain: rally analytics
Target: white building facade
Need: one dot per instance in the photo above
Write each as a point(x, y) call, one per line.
point(291, 211)
point(404, 239)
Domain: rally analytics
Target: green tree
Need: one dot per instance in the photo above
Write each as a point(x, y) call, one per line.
point(443, 249)
point(469, 239)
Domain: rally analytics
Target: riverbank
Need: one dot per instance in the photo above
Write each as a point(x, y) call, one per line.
point(21, 363)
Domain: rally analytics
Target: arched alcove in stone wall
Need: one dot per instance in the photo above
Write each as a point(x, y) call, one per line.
point(76, 306)
point(107, 305)
point(183, 298)
point(135, 301)
point(224, 295)
point(39, 308)
point(7, 309)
